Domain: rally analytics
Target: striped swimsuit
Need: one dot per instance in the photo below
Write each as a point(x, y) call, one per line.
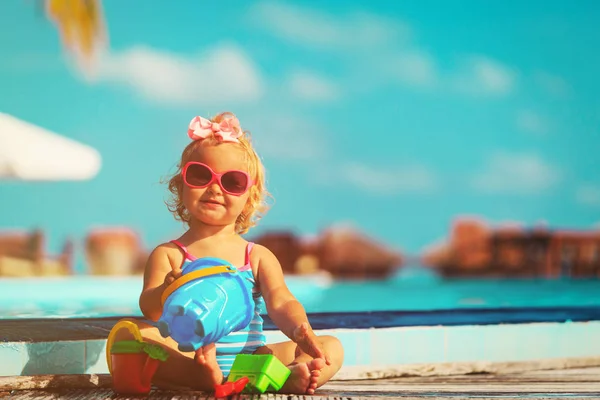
point(248, 339)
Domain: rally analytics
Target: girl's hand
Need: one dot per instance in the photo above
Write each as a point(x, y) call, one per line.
point(172, 275)
point(309, 343)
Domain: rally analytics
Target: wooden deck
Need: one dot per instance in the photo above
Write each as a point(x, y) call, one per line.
point(577, 383)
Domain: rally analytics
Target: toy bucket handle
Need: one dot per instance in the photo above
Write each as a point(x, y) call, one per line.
point(190, 276)
point(133, 328)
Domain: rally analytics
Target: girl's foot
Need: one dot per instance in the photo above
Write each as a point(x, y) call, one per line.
point(304, 377)
point(207, 357)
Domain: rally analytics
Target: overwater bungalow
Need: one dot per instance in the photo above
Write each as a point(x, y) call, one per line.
point(23, 253)
point(476, 249)
point(339, 251)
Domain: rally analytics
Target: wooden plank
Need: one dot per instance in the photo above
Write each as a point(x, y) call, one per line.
point(106, 395)
point(566, 376)
point(574, 376)
point(465, 368)
point(468, 387)
point(83, 381)
point(576, 383)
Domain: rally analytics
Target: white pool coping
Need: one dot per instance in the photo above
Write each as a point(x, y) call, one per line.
point(368, 352)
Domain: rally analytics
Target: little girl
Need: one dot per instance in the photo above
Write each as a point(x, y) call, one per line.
point(219, 191)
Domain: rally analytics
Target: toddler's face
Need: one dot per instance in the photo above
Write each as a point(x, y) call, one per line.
point(211, 205)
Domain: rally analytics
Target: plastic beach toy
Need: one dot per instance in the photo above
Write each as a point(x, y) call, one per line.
point(209, 301)
point(132, 363)
point(229, 388)
point(264, 372)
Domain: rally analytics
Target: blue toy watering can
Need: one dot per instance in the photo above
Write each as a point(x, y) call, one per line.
point(210, 300)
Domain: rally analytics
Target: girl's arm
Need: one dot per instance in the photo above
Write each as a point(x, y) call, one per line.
point(157, 268)
point(283, 308)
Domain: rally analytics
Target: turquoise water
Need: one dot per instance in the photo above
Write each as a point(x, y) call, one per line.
point(414, 289)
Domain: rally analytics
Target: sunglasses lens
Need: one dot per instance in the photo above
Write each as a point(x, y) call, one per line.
point(198, 175)
point(234, 182)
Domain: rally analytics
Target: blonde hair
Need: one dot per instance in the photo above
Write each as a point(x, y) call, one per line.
point(255, 207)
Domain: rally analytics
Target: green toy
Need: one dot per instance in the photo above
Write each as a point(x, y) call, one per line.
point(264, 371)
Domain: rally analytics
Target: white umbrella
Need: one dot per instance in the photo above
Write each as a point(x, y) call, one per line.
point(29, 152)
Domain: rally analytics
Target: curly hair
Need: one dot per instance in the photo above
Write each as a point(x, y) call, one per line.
point(255, 207)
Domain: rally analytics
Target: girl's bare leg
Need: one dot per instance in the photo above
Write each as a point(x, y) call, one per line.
point(182, 369)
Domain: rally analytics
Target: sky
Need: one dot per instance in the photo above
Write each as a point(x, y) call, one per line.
point(393, 117)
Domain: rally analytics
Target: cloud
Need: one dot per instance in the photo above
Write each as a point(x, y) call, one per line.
point(475, 76)
point(289, 138)
point(588, 194)
point(315, 28)
point(521, 174)
point(484, 76)
point(380, 50)
point(531, 122)
point(388, 180)
point(223, 74)
point(414, 68)
point(309, 86)
point(552, 84)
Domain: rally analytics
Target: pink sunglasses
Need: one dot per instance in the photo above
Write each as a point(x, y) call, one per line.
point(199, 175)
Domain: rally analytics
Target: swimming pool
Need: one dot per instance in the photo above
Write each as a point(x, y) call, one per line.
point(95, 296)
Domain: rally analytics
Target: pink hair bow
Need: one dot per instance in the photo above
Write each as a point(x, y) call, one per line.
point(227, 130)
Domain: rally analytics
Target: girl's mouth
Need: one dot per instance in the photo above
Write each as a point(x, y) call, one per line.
point(212, 202)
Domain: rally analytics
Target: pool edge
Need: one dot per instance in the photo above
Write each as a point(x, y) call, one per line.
point(381, 348)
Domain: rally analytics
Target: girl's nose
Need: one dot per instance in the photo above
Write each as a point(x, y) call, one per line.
point(215, 188)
